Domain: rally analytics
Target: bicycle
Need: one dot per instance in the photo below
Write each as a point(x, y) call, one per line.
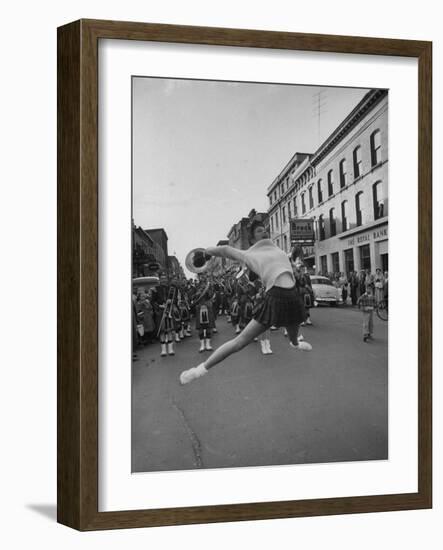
point(383, 310)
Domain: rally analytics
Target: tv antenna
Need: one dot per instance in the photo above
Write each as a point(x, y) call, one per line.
point(319, 101)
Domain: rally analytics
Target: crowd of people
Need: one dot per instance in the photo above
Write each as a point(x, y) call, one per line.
point(169, 313)
point(354, 284)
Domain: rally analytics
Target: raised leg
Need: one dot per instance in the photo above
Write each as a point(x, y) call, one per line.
point(252, 329)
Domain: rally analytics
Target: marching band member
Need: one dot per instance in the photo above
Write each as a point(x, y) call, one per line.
point(185, 316)
point(281, 306)
point(204, 321)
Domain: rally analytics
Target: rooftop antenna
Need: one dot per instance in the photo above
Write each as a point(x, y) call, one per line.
point(319, 101)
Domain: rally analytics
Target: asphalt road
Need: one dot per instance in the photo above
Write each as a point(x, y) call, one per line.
point(291, 407)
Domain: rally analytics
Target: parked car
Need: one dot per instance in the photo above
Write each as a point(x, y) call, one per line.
point(145, 282)
point(325, 292)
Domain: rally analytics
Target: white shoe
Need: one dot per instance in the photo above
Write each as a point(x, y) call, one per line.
point(300, 338)
point(268, 347)
point(191, 374)
point(214, 330)
point(308, 321)
point(208, 346)
point(171, 348)
point(255, 339)
point(202, 346)
point(237, 330)
point(285, 332)
point(164, 352)
point(302, 346)
point(263, 347)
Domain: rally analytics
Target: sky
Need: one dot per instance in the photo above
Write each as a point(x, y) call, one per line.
point(204, 152)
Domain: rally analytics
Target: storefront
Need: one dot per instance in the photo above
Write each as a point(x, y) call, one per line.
point(357, 249)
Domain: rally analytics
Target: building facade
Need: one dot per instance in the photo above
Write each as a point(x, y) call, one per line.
point(238, 236)
point(343, 188)
point(145, 251)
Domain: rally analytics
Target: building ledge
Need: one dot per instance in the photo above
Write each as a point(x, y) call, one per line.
point(363, 228)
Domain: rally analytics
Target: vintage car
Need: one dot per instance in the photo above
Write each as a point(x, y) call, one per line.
point(325, 292)
point(145, 282)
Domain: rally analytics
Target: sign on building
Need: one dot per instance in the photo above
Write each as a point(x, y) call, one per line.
point(302, 230)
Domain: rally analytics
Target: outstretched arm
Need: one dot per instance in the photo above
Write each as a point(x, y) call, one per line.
point(226, 251)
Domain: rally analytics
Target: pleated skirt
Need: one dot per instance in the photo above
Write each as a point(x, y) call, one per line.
point(280, 307)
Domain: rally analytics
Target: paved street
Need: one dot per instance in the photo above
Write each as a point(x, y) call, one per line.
point(290, 407)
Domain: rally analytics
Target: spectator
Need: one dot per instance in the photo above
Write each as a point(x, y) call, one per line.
point(367, 304)
point(353, 287)
point(379, 283)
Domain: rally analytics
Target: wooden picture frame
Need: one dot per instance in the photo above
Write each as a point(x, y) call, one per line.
point(77, 174)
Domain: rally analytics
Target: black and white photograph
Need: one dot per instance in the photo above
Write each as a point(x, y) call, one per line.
point(260, 269)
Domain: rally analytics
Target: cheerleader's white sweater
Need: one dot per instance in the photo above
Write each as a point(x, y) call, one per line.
point(264, 258)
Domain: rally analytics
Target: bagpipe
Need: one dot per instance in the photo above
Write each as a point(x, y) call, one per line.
point(168, 309)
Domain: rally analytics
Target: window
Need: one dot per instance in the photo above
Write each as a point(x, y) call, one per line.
point(311, 198)
point(321, 228)
point(332, 222)
point(295, 207)
point(330, 183)
point(357, 162)
point(324, 264)
point(343, 174)
point(375, 147)
point(344, 215)
point(349, 260)
point(270, 199)
point(335, 262)
point(377, 195)
point(272, 224)
point(278, 243)
point(365, 257)
point(303, 204)
point(358, 208)
point(285, 240)
point(276, 220)
point(289, 211)
point(283, 212)
point(319, 191)
point(275, 195)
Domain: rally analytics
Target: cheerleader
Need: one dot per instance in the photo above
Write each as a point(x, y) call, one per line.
point(281, 307)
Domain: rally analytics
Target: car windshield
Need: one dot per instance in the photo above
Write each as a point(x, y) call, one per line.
point(316, 281)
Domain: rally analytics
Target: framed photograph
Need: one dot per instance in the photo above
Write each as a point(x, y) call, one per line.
point(244, 275)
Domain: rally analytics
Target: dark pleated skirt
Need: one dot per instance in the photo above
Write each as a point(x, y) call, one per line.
point(280, 307)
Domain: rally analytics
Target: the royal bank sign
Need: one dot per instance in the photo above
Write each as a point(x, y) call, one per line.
point(374, 235)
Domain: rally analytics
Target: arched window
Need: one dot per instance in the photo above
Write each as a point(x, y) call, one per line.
point(321, 228)
point(343, 174)
point(359, 208)
point(357, 162)
point(303, 203)
point(332, 222)
point(330, 183)
point(320, 191)
point(375, 147)
point(311, 198)
point(344, 215)
point(379, 205)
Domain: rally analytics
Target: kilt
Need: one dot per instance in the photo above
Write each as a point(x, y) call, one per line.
point(280, 307)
